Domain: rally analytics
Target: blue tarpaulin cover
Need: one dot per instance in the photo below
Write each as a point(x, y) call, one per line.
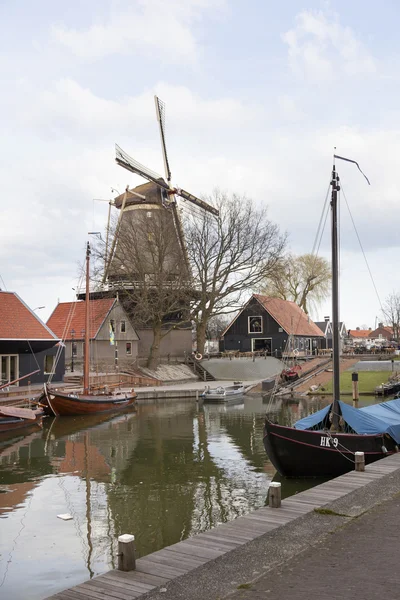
point(378, 418)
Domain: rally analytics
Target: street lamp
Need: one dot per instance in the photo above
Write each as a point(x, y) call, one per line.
point(72, 349)
point(38, 308)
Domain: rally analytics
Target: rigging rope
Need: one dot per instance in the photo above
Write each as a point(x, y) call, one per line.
point(362, 249)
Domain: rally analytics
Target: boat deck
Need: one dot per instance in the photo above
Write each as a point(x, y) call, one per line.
point(164, 566)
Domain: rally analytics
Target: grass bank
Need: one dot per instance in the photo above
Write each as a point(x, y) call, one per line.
point(367, 382)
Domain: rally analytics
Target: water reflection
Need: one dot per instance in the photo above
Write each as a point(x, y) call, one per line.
point(163, 473)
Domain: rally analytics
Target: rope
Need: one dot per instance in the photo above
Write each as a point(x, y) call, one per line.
point(329, 435)
point(362, 249)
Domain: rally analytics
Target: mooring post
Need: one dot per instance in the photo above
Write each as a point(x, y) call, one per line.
point(359, 458)
point(354, 381)
point(275, 494)
point(126, 552)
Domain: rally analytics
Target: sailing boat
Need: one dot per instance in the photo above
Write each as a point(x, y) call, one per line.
point(323, 444)
point(60, 404)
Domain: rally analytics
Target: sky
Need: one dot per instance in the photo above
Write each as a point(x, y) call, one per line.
point(258, 94)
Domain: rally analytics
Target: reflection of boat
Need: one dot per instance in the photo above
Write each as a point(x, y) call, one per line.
point(59, 427)
point(13, 418)
point(223, 393)
point(86, 403)
point(324, 443)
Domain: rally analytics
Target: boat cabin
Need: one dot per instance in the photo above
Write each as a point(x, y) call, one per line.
point(272, 326)
point(29, 350)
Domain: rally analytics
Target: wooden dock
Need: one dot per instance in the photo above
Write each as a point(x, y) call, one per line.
point(157, 569)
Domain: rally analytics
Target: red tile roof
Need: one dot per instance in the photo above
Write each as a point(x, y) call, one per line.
point(19, 322)
point(360, 333)
point(68, 316)
point(289, 316)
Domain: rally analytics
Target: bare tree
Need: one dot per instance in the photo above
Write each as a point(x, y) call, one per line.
point(150, 270)
point(391, 312)
point(230, 255)
point(305, 280)
point(216, 325)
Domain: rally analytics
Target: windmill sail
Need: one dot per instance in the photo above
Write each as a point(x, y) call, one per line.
point(160, 111)
point(124, 160)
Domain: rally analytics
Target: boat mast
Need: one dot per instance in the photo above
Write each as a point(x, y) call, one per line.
point(87, 332)
point(335, 299)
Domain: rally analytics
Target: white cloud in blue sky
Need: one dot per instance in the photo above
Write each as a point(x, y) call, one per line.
point(257, 93)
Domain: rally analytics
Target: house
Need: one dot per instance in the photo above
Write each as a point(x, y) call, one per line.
point(327, 329)
point(272, 325)
point(359, 337)
point(383, 334)
point(113, 340)
point(28, 347)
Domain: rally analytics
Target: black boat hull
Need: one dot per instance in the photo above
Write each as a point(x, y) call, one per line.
point(304, 453)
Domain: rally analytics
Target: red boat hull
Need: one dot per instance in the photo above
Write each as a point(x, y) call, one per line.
point(304, 453)
point(10, 424)
point(60, 404)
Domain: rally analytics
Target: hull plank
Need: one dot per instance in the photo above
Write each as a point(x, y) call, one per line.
point(60, 404)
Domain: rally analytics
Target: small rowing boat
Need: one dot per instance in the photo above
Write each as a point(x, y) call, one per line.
point(223, 393)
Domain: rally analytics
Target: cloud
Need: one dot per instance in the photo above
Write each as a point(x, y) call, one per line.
point(75, 110)
point(321, 49)
point(164, 29)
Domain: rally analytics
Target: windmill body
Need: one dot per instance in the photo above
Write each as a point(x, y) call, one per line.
point(147, 256)
point(147, 204)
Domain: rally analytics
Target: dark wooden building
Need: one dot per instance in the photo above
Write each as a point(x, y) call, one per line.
point(27, 344)
point(274, 326)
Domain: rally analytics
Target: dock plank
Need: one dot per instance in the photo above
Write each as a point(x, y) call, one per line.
point(197, 550)
point(106, 582)
point(167, 554)
point(154, 580)
point(119, 582)
point(101, 592)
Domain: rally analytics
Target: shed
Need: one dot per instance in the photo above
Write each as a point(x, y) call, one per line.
point(273, 326)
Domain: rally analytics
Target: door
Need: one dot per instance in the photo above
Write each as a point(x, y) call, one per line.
point(262, 345)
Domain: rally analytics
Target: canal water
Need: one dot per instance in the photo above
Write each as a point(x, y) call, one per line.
point(164, 473)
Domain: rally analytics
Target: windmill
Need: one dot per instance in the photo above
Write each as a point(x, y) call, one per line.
point(158, 194)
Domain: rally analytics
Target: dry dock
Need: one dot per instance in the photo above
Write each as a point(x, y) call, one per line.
point(236, 556)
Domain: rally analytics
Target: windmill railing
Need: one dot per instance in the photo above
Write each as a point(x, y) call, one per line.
point(120, 284)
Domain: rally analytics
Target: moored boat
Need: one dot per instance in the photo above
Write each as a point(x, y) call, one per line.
point(74, 404)
point(13, 418)
point(324, 444)
point(223, 393)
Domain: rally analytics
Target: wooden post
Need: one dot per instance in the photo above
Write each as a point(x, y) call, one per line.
point(354, 381)
point(359, 461)
point(275, 494)
point(126, 552)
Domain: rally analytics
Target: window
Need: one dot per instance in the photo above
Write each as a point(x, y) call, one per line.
point(122, 327)
point(129, 348)
point(48, 363)
point(255, 324)
point(9, 366)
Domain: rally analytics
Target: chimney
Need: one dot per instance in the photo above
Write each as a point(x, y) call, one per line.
point(380, 325)
point(326, 319)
